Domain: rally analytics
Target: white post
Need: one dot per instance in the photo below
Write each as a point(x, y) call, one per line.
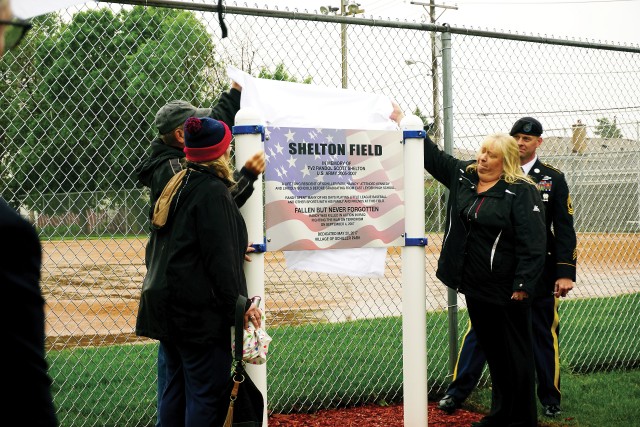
point(248, 141)
point(414, 297)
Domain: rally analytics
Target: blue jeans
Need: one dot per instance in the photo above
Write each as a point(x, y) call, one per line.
point(196, 374)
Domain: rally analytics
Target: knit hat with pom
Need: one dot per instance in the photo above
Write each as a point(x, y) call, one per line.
point(205, 139)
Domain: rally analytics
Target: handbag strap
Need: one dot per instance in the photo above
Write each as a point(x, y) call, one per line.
point(241, 303)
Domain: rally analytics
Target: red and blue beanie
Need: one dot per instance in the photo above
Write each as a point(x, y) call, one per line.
point(205, 139)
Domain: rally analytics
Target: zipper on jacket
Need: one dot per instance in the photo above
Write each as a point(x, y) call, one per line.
point(478, 208)
point(186, 181)
point(493, 250)
point(471, 208)
point(467, 179)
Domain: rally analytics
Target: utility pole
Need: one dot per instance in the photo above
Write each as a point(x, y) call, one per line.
point(437, 136)
point(452, 297)
point(346, 8)
point(343, 43)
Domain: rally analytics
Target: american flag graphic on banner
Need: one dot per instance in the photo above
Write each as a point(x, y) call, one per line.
point(333, 188)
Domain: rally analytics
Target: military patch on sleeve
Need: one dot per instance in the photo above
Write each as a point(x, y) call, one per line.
point(569, 206)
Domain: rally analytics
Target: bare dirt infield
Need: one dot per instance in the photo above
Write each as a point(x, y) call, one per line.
point(91, 287)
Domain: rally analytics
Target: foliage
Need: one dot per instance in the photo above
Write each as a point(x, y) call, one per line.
point(19, 73)
point(421, 115)
point(428, 126)
point(280, 74)
point(425, 121)
point(607, 129)
point(79, 126)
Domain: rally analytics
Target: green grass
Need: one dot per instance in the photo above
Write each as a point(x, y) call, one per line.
point(330, 365)
point(597, 399)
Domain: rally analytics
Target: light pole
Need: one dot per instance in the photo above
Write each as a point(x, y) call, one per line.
point(435, 92)
point(435, 127)
point(345, 9)
point(435, 88)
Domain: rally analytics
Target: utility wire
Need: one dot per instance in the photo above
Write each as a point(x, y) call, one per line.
point(537, 3)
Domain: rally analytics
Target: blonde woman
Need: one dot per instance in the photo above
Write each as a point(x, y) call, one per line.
point(493, 252)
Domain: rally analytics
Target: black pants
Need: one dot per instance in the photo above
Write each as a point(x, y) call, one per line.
point(546, 332)
point(505, 335)
point(196, 375)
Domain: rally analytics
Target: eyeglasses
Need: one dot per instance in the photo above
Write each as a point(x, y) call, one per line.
point(14, 33)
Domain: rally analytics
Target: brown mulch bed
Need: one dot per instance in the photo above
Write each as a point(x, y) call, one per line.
point(372, 416)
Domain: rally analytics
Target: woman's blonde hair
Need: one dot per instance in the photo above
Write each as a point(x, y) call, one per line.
point(508, 147)
point(222, 167)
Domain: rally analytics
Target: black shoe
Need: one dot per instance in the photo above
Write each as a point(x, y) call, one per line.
point(483, 423)
point(552, 410)
point(448, 404)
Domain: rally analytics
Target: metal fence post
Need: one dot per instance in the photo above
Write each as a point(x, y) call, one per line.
point(447, 105)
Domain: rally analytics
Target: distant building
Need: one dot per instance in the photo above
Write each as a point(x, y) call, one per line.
point(555, 145)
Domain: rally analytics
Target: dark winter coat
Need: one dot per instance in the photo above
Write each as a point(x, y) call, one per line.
point(22, 316)
point(494, 242)
point(165, 161)
point(194, 264)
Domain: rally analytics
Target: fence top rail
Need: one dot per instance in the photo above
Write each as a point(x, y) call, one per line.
point(353, 20)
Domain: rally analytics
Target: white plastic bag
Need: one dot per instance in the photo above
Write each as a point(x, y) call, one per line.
point(255, 345)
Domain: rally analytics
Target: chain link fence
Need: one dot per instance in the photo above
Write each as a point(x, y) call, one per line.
point(78, 101)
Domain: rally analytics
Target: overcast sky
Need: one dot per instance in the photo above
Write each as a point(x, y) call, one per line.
point(587, 20)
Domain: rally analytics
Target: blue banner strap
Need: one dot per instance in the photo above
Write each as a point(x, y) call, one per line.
point(260, 247)
point(415, 241)
point(413, 134)
point(249, 129)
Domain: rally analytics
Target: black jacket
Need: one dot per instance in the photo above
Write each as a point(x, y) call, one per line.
point(22, 317)
point(165, 161)
point(561, 236)
point(494, 242)
point(194, 264)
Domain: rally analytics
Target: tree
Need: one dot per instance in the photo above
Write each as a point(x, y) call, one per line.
point(280, 74)
point(425, 121)
point(88, 115)
point(17, 86)
point(607, 129)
